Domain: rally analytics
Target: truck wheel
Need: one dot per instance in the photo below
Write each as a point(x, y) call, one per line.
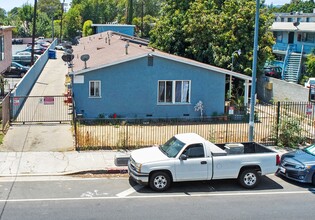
point(249, 178)
point(160, 181)
point(313, 179)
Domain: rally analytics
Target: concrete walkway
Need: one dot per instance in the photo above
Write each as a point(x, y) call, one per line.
point(58, 163)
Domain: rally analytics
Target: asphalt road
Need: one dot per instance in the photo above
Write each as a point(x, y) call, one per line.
point(119, 198)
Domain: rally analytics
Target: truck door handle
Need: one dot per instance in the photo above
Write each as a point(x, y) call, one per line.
point(203, 162)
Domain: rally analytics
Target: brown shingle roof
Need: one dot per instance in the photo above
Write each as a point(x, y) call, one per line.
point(104, 53)
point(105, 48)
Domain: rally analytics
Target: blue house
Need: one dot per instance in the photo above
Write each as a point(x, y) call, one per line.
point(130, 80)
point(119, 28)
point(295, 38)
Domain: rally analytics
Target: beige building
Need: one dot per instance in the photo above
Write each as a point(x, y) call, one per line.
point(5, 47)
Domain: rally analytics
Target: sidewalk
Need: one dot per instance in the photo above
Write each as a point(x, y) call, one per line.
point(58, 163)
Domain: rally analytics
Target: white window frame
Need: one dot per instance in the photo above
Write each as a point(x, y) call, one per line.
point(99, 89)
point(173, 102)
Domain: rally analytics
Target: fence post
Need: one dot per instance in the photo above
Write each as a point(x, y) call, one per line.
point(126, 136)
point(278, 122)
point(77, 148)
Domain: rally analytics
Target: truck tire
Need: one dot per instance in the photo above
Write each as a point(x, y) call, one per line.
point(249, 178)
point(160, 181)
point(313, 179)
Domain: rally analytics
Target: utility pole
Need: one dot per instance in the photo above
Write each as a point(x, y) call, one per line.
point(34, 32)
point(253, 88)
point(62, 10)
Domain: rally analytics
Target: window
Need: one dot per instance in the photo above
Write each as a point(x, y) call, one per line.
point(278, 36)
point(289, 19)
point(282, 19)
point(1, 47)
point(194, 151)
point(95, 89)
point(175, 91)
point(307, 19)
point(309, 37)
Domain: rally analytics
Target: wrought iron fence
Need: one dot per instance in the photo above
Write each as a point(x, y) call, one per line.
point(135, 133)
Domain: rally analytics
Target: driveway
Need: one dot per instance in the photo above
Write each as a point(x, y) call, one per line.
point(53, 136)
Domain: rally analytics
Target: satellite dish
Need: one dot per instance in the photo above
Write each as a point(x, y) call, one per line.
point(70, 51)
point(85, 57)
point(68, 46)
point(67, 57)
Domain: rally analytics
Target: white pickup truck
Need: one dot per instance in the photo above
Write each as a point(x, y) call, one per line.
point(189, 157)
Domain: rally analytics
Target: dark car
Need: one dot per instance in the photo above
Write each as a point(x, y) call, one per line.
point(24, 59)
point(16, 70)
point(299, 165)
point(273, 71)
point(17, 41)
point(37, 49)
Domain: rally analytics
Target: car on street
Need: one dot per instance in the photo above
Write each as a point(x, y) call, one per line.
point(16, 70)
point(299, 165)
point(310, 81)
point(273, 71)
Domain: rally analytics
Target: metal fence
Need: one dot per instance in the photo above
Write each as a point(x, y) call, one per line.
point(40, 109)
point(135, 133)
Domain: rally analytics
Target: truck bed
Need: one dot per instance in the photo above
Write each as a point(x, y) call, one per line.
point(249, 148)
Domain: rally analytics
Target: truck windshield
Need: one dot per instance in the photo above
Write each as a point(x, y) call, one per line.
point(310, 150)
point(172, 147)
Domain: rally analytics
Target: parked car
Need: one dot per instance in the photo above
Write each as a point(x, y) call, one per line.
point(59, 47)
point(23, 53)
point(273, 71)
point(16, 70)
point(299, 165)
point(37, 50)
point(24, 60)
point(311, 81)
point(190, 157)
point(17, 41)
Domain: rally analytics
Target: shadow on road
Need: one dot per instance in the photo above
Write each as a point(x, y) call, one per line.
point(310, 187)
point(229, 185)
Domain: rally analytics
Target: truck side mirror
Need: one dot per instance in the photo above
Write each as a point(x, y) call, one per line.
point(183, 157)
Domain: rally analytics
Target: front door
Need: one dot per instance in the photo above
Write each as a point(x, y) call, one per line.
point(291, 38)
point(195, 167)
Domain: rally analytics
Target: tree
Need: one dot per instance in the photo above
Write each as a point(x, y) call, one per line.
point(168, 34)
point(296, 6)
point(73, 22)
point(49, 6)
point(25, 15)
point(87, 28)
point(310, 65)
point(210, 31)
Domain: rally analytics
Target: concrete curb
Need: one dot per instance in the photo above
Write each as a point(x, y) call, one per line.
point(113, 170)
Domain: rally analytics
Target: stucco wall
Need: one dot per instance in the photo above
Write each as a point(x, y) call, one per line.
point(6, 62)
point(130, 90)
point(269, 88)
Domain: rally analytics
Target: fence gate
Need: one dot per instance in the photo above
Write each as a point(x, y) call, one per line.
point(41, 109)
